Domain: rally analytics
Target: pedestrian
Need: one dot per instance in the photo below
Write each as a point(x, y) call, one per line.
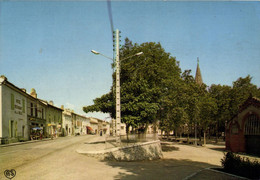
point(41, 135)
point(56, 133)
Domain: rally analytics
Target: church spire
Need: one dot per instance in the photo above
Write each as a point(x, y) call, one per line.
point(198, 77)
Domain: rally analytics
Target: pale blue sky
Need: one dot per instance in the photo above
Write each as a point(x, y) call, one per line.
point(46, 45)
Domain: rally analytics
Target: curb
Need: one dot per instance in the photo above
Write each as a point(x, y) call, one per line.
point(236, 176)
point(210, 169)
point(26, 142)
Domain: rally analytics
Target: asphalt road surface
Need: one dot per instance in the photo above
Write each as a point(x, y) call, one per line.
point(57, 159)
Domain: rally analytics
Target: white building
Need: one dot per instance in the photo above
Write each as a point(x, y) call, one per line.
point(67, 122)
point(13, 113)
point(106, 128)
point(94, 125)
point(85, 125)
point(81, 124)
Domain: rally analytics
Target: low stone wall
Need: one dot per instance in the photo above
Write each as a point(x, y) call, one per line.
point(143, 151)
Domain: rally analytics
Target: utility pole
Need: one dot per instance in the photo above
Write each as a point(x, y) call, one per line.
point(117, 123)
point(118, 99)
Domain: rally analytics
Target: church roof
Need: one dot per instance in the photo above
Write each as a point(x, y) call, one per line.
point(198, 77)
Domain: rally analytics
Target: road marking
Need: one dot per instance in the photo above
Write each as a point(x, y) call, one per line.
point(209, 168)
point(193, 174)
point(240, 177)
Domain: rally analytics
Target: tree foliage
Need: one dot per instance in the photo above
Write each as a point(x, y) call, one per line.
point(144, 80)
point(153, 88)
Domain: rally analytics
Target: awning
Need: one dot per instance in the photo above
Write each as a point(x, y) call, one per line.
point(89, 128)
point(37, 128)
point(51, 124)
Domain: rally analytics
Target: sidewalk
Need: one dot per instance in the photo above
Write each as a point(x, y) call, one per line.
point(25, 142)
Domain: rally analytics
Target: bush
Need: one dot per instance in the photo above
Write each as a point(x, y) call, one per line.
point(241, 166)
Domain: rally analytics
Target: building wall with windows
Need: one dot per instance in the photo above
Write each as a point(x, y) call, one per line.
point(13, 113)
point(53, 120)
point(94, 125)
point(78, 124)
point(36, 114)
point(243, 131)
point(106, 128)
point(85, 124)
point(67, 122)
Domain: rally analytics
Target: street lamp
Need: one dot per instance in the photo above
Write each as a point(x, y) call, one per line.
point(98, 53)
point(118, 98)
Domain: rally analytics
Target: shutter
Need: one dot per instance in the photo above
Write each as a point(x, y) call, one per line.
point(15, 128)
point(23, 106)
point(10, 129)
point(12, 101)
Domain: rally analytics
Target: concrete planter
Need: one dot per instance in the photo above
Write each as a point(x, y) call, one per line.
point(138, 152)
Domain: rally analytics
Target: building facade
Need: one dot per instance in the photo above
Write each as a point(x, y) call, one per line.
point(25, 117)
point(53, 120)
point(13, 113)
point(85, 125)
point(36, 114)
point(67, 122)
point(94, 125)
point(243, 131)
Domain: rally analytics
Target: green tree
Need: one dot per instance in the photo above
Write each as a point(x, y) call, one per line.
point(144, 80)
point(207, 112)
point(222, 96)
point(242, 89)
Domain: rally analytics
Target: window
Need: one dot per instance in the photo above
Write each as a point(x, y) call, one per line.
point(252, 125)
point(23, 106)
point(42, 113)
point(35, 111)
point(12, 101)
point(31, 109)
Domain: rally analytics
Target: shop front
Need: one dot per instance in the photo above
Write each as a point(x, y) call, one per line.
point(89, 130)
point(37, 128)
point(51, 129)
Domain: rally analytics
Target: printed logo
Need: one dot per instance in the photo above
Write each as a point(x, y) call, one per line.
point(10, 174)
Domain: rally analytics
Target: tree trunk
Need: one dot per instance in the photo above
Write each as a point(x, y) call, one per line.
point(217, 132)
point(188, 136)
point(155, 130)
point(127, 132)
point(204, 142)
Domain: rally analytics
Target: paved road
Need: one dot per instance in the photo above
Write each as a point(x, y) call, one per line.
point(58, 159)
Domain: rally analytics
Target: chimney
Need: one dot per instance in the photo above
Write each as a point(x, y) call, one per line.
point(33, 93)
point(3, 78)
point(23, 89)
point(62, 107)
point(51, 103)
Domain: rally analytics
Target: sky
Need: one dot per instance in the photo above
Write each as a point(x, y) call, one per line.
point(46, 45)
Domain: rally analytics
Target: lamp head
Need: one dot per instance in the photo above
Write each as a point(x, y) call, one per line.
point(138, 54)
point(95, 52)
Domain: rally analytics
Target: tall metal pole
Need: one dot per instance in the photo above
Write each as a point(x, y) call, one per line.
point(118, 100)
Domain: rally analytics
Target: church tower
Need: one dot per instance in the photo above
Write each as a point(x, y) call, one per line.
point(198, 77)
